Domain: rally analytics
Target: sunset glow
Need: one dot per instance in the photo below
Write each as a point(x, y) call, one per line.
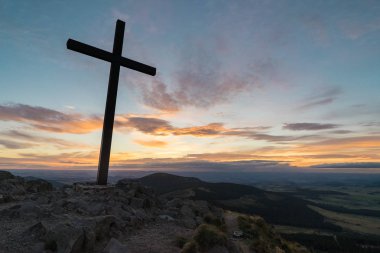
point(282, 81)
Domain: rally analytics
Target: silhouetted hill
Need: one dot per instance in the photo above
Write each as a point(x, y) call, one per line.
point(276, 208)
point(163, 182)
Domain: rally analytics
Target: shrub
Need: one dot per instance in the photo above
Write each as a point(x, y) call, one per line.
point(190, 247)
point(245, 225)
point(213, 220)
point(260, 246)
point(207, 236)
point(180, 241)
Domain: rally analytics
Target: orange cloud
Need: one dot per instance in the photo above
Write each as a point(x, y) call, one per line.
point(152, 143)
point(49, 120)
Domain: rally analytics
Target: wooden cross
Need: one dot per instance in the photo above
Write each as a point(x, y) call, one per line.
point(116, 61)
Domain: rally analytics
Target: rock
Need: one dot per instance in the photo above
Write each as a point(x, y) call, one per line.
point(201, 208)
point(5, 175)
point(43, 200)
point(12, 187)
point(186, 211)
point(218, 249)
point(64, 237)
point(36, 231)
point(176, 202)
point(105, 226)
point(199, 220)
point(38, 185)
point(137, 202)
point(166, 217)
point(114, 246)
point(189, 223)
point(30, 210)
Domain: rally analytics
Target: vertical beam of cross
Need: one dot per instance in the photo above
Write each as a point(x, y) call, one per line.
point(109, 114)
point(116, 61)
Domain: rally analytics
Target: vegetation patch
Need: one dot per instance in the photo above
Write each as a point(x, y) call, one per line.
point(263, 239)
point(208, 236)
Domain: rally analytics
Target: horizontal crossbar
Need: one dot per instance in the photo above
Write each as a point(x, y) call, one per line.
point(107, 56)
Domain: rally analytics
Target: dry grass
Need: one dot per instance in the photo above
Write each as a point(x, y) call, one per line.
point(357, 223)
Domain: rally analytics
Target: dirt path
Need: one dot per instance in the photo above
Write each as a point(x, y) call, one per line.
point(232, 225)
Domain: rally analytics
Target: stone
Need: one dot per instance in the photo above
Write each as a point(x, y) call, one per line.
point(114, 246)
point(189, 223)
point(186, 211)
point(218, 249)
point(5, 175)
point(64, 237)
point(201, 207)
point(166, 217)
point(36, 231)
point(38, 185)
point(137, 202)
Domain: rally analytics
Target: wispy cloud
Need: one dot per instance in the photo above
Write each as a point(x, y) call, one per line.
point(161, 127)
point(324, 97)
point(49, 120)
point(308, 126)
point(349, 165)
point(354, 29)
point(36, 140)
point(202, 81)
point(15, 145)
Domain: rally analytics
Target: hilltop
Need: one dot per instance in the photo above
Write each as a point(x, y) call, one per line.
point(126, 217)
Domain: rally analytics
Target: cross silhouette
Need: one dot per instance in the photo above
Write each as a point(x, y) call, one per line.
point(116, 61)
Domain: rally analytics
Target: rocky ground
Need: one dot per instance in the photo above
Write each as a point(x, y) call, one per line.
point(126, 217)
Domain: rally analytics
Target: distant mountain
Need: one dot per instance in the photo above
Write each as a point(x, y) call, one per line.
point(276, 208)
point(55, 184)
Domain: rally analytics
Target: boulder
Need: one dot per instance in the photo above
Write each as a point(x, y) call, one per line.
point(38, 185)
point(186, 211)
point(64, 237)
point(137, 202)
point(189, 223)
point(114, 246)
point(166, 217)
point(5, 175)
point(218, 249)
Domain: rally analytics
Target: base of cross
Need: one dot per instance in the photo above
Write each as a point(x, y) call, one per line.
point(91, 187)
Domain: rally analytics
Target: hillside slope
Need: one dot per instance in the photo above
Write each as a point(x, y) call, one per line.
point(276, 208)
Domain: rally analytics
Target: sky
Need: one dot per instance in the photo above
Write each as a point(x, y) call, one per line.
point(287, 83)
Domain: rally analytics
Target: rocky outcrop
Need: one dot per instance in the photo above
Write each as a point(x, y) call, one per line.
point(79, 218)
point(15, 188)
point(125, 217)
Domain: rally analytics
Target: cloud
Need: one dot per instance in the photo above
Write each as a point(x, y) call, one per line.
point(308, 126)
point(146, 125)
point(36, 140)
point(211, 129)
point(369, 165)
point(54, 121)
point(15, 145)
point(355, 30)
point(324, 97)
point(157, 96)
point(159, 127)
point(152, 143)
point(341, 132)
point(49, 120)
point(317, 27)
point(202, 81)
